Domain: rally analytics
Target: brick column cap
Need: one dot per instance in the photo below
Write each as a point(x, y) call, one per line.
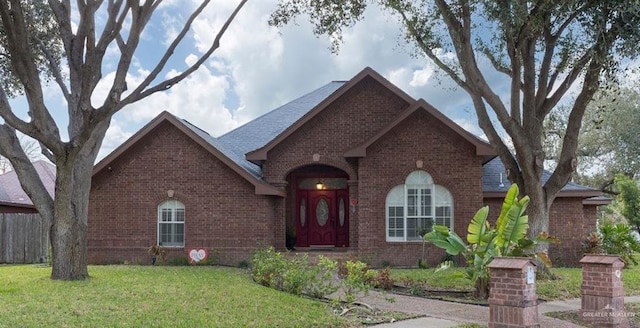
point(602, 259)
point(506, 262)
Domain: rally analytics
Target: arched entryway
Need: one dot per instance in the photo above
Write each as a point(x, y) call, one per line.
point(318, 215)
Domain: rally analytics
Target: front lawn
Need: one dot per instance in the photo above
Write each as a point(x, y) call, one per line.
point(568, 286)
point(137, 296)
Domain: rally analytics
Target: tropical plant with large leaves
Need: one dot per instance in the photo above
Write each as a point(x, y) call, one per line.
point(507, 238)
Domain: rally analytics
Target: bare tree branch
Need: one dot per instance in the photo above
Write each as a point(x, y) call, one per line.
point(55, 70)
point(167, 84)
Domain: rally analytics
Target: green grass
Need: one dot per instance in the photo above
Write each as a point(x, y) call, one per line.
point(135, 296)
point(450, 279)
point(568, 286)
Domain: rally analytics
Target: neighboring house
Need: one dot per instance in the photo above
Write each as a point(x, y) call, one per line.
point(356, 168)
point(13, 199)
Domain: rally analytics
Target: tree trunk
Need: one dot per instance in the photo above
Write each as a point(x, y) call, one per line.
point(538, 209)
point(71, 206)
point(69, 228)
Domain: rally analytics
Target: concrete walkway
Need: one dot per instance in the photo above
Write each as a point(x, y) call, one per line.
point(441, 314)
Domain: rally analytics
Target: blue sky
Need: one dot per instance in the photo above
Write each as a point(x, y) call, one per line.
point(258, 68)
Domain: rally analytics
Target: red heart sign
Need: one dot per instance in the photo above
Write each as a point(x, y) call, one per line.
point(197, 255)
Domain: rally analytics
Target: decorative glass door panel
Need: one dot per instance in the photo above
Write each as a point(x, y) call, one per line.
point(342, 228)
point(322, 212)
point(303, 211)
point(322, 220)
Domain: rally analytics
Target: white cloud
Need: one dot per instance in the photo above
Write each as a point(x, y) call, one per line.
point(421, 77)
point(114, 137)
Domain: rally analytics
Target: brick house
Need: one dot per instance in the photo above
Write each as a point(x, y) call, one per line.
point(356, 167)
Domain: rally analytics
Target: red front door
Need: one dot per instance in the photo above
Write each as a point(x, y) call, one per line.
point(322, 218)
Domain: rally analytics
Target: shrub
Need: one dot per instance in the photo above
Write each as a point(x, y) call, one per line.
point(267, 267)
point(383, 279)
point(357, 281)
point(618, 239)
point(592, 244)
point(323, 280)
point(295, 276)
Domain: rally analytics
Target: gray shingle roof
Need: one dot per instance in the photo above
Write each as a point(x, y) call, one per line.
point(491, 181)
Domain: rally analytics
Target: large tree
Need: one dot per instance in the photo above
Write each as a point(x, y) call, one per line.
point(546, 49)
point(86, 32)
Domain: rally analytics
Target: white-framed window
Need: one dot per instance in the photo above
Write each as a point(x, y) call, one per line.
point(171, 224)
point(414, 207)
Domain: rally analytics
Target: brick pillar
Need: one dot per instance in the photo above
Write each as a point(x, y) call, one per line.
point(353, 213)
point(602, 291)
point(513, 302)
point(280, 223)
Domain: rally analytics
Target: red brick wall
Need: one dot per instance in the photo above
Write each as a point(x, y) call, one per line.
point(447, 157)
point(344, 124)
point(349, 121)
point(222, 211)
point(590, 215)
point(567, 221)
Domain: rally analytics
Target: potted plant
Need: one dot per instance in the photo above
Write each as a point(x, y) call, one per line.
point(291, 238)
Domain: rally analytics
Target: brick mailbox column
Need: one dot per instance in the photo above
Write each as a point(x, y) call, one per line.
point(603, 291)
point(513, 301)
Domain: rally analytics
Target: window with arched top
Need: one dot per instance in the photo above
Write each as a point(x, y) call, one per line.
point(171, 224)
point(415, 206)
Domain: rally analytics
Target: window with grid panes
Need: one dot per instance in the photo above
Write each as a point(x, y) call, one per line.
point(415, 206)
point(171, 224)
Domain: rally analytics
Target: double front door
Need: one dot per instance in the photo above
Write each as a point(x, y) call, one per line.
point(322, 218)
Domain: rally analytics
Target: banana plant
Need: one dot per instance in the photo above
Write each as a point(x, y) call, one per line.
point(507, 238)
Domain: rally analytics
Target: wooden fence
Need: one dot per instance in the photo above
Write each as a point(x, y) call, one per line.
point(24, 238)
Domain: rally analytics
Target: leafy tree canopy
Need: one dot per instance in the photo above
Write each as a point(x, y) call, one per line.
point(44, 40)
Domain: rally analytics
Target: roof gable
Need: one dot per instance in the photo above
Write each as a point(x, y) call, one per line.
point(260, 131)
point(260, 154)
point(482, 148)
point(217, 149)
